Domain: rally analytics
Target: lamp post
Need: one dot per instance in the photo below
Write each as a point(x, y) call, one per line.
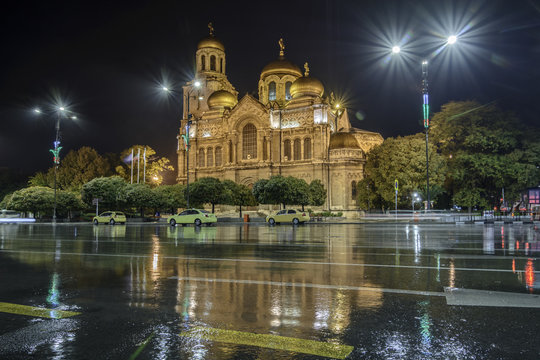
point(185, 137)
point(425, 108)
point(337, 110)
point(60, 111)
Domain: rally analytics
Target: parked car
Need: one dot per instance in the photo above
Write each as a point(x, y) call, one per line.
point(110, 217)
point(193, 216)
point(288, 215)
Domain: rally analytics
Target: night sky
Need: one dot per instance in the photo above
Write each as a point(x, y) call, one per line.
point(105, 60)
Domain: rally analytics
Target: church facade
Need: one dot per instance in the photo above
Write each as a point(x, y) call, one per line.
point(291, 129)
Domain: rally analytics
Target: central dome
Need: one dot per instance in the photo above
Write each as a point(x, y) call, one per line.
point(222, 99)
point(281, 66)
point(343, 140)
point(211, 42)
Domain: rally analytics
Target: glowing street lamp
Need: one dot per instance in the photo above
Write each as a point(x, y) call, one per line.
point(185, 137)
point(425, 108)
point(60, 112)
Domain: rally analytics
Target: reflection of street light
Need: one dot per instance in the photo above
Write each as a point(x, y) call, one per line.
point(187, 144)
point(425, 108)
point(415, 198)
point(60, 111)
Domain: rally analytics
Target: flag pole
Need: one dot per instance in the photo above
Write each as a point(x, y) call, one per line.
point(144, 166)
point(138, 164)
point(132, 166)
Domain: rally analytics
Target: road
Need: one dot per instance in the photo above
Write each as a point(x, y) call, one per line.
point(314, 291)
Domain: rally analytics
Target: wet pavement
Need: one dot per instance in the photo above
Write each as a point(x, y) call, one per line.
point(390, 291)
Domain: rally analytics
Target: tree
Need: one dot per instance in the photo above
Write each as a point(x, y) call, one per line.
point(110, 191)
point(206, 190)
point(282, 190)
point(404, 159)
point(139, 196)
point(487, 150)
point(80, 166)
point(169, 197)
point(68, 201)
point(237, 195)
point(76, 169)
point(35, 199)
point(317, 193)
point(156, 166)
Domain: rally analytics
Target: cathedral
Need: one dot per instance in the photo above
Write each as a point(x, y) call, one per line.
point(292, 129)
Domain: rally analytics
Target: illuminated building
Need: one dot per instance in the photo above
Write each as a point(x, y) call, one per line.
point(291, 129)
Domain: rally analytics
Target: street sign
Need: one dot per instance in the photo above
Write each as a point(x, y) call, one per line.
point(95, 201)
point(396, 185)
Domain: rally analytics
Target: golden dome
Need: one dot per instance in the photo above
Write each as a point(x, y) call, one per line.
point(211, 42)
point(307, 85)
point(281, 66)
point(343, 140)
point(221, 99)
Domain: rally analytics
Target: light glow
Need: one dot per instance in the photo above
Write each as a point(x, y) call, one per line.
point(197, 83)
point(396, 49)
point(452, 39)
point(36, 110)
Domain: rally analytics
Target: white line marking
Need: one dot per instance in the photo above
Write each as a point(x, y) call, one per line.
point(305, 285)
point(271, 261)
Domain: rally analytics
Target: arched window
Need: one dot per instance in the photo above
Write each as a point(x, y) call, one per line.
point(209, 157)
point(203, 62)
point(353, 190)
point(297, 150)
point(230, 152)
point(201, 157)
point(307, 148)
point(272, 91)
point(287, 150)
point(265, 152)
point(249, 142)
point(213, 63)
point(288, 90)
point(221, 65)
point(218, 156)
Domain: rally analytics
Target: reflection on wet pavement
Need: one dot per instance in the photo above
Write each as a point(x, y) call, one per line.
point(389, 291)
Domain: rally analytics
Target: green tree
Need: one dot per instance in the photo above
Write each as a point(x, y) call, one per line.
point(169, 197)
point(110, 191)
point(317, 193)
point(487, 150)
point(156, 166)
point(68, 201)
point(206, 190)
point(139, 196)
point(282, 190)
point(80, 166)
point(404, 159)
point(36, 199)
point(237, 195)
point(42, 179)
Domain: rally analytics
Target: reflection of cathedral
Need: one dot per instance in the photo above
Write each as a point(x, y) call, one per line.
point(291, 129)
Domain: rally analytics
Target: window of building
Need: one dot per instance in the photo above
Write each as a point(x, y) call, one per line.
point(353, 190)
point(249, 142)
point(307, 148)
point(230, 152)
point(203, 62)
point(218, 156)
point(213, 63)
point(210, 157)
point(221, 65)
point(272, 91)
point(297, 150)
point(201, 157)
point(287, 150)
point(265, 151)
point(288, 90)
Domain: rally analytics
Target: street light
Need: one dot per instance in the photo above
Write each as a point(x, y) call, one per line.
point(197, 85)
point(60, 111)
point(425, 108)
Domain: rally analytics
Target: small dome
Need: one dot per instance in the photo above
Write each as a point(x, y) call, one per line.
point(221, 99)
point(211, 42)
point(343, 140)
point(307, 85)
point(281, 66)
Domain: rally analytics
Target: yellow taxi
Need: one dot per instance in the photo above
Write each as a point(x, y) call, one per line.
point(288, 215)
point(193, 216)
point(110, 217)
